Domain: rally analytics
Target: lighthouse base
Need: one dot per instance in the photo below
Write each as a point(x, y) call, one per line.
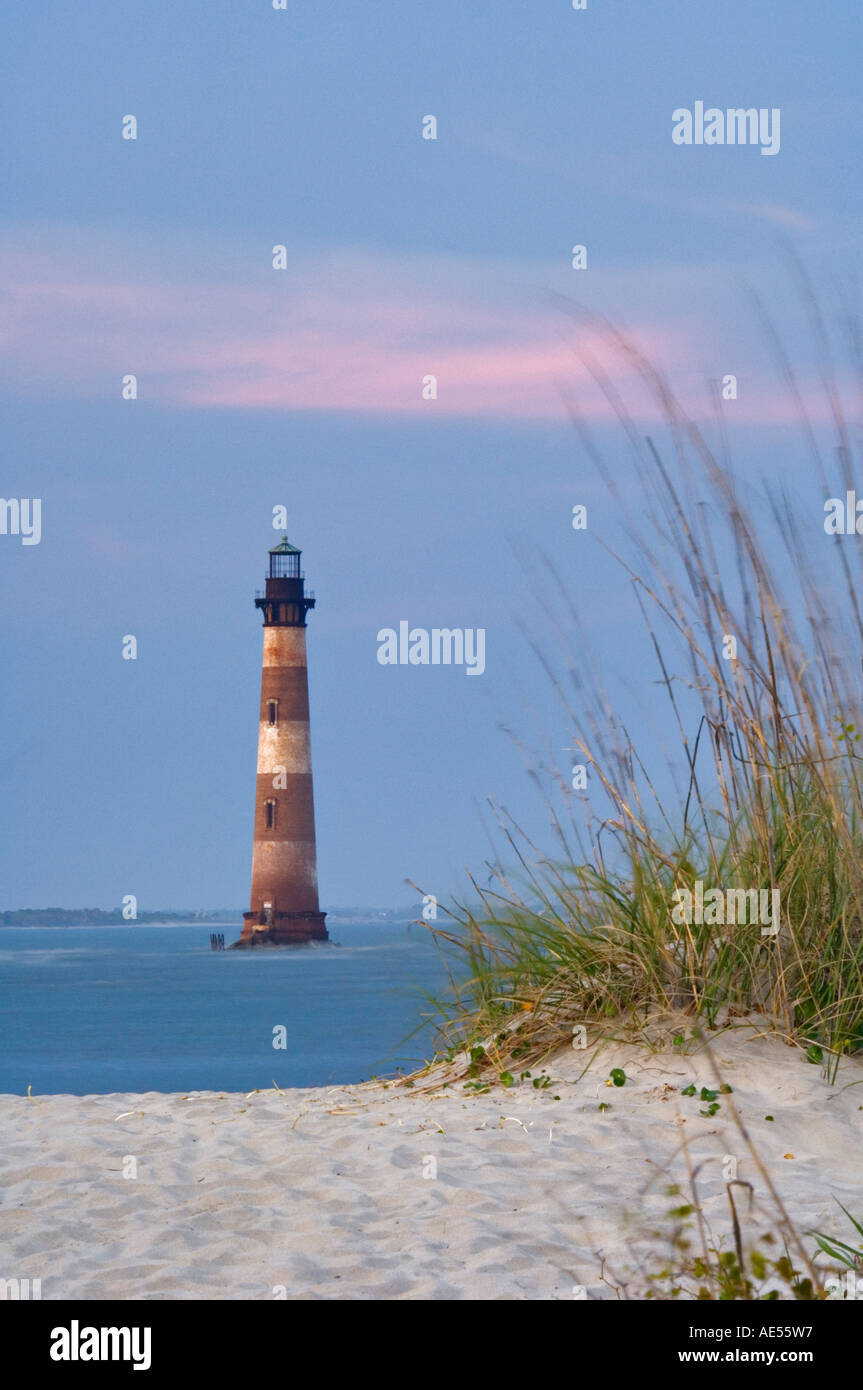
point(285, 929)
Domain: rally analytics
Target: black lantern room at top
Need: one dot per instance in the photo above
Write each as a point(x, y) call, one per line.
point(285, 602)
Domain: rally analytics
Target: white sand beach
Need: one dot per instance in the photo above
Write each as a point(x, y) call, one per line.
point(387, 1192)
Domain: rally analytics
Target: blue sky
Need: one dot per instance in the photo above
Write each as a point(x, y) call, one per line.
point(302, 387)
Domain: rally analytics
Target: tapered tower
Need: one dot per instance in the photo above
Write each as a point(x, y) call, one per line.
point(284, 907)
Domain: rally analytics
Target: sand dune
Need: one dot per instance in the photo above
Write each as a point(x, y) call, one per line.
point(377, 1192)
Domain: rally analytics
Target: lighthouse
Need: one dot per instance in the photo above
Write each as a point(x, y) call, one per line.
point(284, 905)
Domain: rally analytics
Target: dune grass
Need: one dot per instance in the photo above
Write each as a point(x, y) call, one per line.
point(771, 797)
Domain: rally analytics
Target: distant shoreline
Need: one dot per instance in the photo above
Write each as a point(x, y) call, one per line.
point(98, 917)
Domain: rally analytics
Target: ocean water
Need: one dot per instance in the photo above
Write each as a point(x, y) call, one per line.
point(147, 1008)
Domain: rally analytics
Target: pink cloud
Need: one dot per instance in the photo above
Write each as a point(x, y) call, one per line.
point(342, 334)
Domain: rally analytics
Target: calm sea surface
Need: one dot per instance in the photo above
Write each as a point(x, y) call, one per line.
point(147, 1008)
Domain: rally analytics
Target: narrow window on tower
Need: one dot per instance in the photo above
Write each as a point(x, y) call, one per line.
point(272, 711)
point(270, 810)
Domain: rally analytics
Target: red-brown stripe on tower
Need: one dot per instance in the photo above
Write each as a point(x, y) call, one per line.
point(284, 906)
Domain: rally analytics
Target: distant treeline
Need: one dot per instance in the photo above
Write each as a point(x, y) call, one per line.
point(97, 917)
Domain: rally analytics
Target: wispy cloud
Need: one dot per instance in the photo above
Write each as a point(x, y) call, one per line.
point(344, 332)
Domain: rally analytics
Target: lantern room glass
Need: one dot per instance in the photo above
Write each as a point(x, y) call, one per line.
point(284, 566)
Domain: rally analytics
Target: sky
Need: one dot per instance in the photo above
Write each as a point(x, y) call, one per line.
point(302, 387)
